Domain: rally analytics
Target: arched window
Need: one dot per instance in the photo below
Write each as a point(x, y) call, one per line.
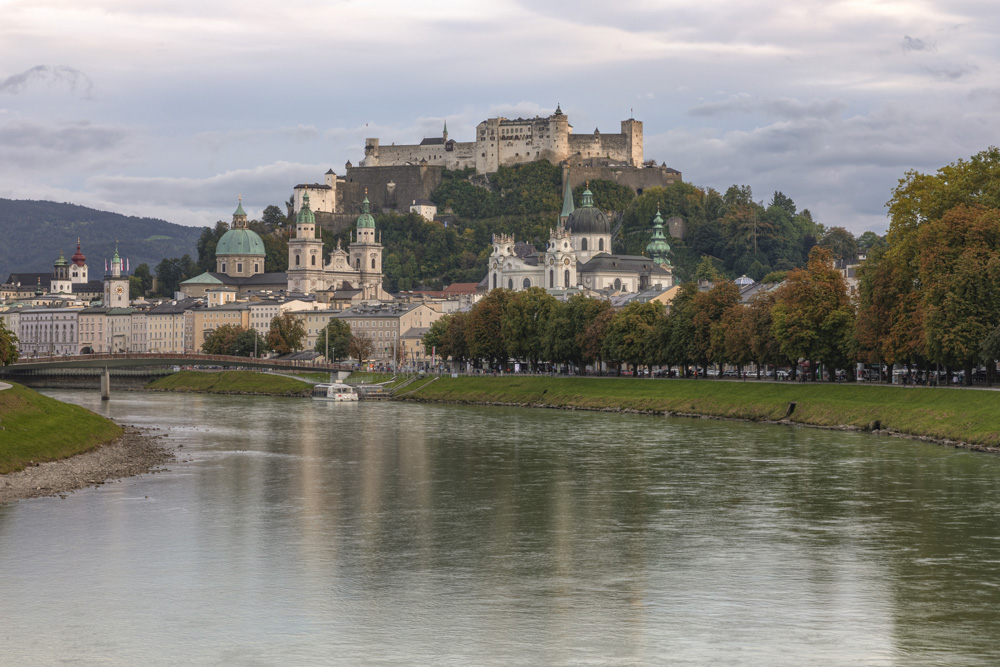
point(600, 244)
point(373, 262)
point(494, 281)
point(313, 260)
point(510, 283)
point(223, 267)
point(583, 244)
point(526, 283)
point(618, 283)
point(552, 278)
point(239, 267)
point(296, 260)
point(566, 277)
point(357, 263)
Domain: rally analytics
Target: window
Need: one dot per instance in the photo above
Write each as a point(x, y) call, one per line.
point(510, 283)
point(566, 277)
point(296, 260)
point(314, 260)
point(223, 267)
point(583, 244)
point(494, 281)
point(373, 262)
point(600, 244)
point(527, 283)
point(618, 283)
point(239, 267)
point(357, 264)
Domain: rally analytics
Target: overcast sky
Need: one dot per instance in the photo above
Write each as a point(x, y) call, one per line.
point(172, 108)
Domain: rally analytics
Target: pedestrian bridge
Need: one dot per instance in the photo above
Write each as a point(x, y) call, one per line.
point(135, 360)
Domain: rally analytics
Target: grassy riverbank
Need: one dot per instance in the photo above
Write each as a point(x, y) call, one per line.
point(970, 416)
point(37, 428)
point(232, 382)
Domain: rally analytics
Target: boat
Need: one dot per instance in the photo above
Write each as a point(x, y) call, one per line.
point(334, 391)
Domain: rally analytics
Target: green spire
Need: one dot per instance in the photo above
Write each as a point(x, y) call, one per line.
point(116, 258)
point(305, 216)
point(658, 247)
point(239, 209)
point(38, 288)
point(587, 200)
point(568, 207)
point(366, 219)
point(62, 260)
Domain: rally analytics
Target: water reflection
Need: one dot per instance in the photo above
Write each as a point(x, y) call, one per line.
point(357, 534)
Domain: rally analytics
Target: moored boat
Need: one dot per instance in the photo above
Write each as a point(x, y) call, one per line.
point(334, 391)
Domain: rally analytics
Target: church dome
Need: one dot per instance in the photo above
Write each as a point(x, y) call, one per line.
point(240, 242)
point(78, 258)
point(588, 219)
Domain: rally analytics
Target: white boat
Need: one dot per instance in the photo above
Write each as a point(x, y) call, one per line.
point(334, 391)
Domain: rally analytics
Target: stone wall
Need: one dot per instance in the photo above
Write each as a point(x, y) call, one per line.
point(637, 178)
point(388, 187)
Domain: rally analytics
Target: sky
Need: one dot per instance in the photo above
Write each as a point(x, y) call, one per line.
point(174, 108)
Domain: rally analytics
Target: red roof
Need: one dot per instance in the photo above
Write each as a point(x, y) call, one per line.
point(461, 288)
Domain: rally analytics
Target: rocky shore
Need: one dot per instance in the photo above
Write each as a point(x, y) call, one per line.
point(135, 453)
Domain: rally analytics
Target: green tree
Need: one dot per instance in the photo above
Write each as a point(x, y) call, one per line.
point(840, 242)
point(206, 244)
point(484, 328)
point(628, 334)
point(338, 332)
point(141, 281)
point(273, 217)
point(592, 346)
point(524, 322)
point(608, 195)
point(8, 346)
point(171, 272)
point(286, 334)
point(249, 343)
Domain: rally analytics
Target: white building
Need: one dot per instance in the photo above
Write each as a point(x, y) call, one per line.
point(48, 331)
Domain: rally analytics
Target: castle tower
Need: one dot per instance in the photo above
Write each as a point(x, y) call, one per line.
point(632, 131)
point(305, 253)
point(116, 285)
point(366, 254)
point(559, 131)
point(60, 283)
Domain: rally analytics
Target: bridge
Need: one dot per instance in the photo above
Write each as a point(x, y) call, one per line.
point(100, 364)
point(136, 359)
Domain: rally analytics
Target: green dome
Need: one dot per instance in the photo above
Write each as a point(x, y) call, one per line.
point(366, 219)
point(62, 260)
point(240, 242)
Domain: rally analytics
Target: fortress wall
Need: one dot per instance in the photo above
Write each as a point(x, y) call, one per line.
point(615, 146)
point(322, 199)
point(462, 156)
point(388, 187)
point(637, 178)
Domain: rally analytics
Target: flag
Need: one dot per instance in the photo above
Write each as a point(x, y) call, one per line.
point(126, 265)
point(105, 264)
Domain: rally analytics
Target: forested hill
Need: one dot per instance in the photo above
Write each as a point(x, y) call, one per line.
point(34, 232)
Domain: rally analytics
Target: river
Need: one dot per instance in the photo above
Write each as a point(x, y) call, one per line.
point(294, 532)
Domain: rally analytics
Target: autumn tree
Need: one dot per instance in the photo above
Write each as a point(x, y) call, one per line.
point(222, 339)
point(361, 347)
point(484, 328)
point(812, 315)
point(524, 322)
point(627, 337)
point(8, 345)
point(286, 334)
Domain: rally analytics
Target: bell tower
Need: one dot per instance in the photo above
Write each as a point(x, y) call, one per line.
point(116, 285)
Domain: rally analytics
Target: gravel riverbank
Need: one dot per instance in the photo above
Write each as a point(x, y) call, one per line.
point(135, 453)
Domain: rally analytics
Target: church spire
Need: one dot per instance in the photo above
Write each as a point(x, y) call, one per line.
point(444, 134)
point(658, 248)
point(568, 207)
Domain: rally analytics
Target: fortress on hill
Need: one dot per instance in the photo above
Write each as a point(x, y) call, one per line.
point(397, 176)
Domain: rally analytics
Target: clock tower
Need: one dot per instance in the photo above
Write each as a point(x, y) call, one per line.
point(116, 285)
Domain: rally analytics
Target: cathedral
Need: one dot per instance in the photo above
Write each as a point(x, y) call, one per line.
point(240, 255)
point(578, 256)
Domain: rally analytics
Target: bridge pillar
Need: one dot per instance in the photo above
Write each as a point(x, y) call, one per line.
point(105, 385)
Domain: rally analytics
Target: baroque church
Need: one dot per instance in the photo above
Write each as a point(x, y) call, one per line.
point(240, 254)
point(578, 256)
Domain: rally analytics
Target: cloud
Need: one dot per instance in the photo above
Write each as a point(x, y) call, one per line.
point(31, 144)
point(951, 72)
point(916, 44)
point(783, 107)
point(76, 80)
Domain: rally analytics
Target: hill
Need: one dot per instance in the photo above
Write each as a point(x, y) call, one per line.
point(35, 231)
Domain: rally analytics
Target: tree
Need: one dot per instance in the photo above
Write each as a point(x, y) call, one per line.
point(361, 347)
point(8, 345)
point(812, 316)
point(141, 280)
point(273, 217)
point(628, 334)
point(286, 334)
point(524, 322)
point(594, 336)
point(707, 310)
point(608, 195)
point(206, 244)
point(339, 334)
point(249, 343)
point(484, 328)
point(840, 242)
point(870, 240)
point(171, 272)
point(222, 339)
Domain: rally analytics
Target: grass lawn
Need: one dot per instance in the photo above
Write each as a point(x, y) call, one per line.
point(971, 416)
point(37, 428)
point(232, 382)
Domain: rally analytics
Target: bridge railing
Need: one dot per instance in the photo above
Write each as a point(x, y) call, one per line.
point(174, 359)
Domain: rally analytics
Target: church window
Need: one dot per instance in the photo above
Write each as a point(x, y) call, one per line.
point(494, 281)
point(256, 268)
point(583, 244)
point(296, 260)
point(600, 244)
point(552, 278)
point(223, 267)
point(510, 283)
point(314, 260)
point(239, 267)
point(373, 262)
point(618, 283)
point(357, 263)
point(566, 277)
point(527, 283)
